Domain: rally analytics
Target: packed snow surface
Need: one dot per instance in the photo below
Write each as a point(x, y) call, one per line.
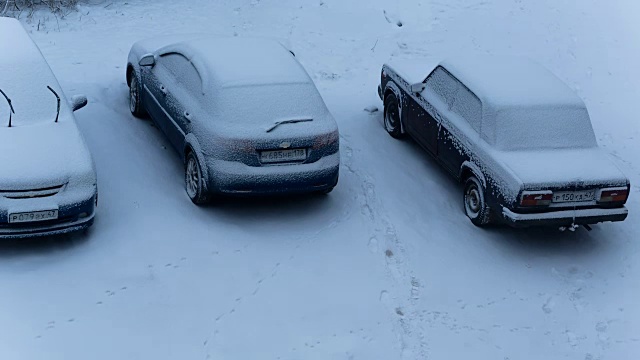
point(385, 267)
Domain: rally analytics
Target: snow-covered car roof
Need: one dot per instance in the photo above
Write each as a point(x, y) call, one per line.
point(226, 62)
point(24, 77)
point(524, 106)
point(508, 81)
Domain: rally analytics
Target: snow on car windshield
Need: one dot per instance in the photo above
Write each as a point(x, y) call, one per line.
point(24, 77)
point(548, 127)
point(31, 104)
point(270, 103)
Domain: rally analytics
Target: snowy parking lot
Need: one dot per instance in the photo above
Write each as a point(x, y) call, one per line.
point(387, 266)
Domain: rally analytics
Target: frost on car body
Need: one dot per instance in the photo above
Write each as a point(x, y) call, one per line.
point(514, 127)
point(243, 114)
point(47, 176)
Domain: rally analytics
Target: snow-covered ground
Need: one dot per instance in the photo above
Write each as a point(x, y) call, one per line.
point(387, 266)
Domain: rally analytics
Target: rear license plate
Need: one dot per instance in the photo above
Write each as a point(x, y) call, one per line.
point(574, 196)
point(289, 155)
point(34, 216)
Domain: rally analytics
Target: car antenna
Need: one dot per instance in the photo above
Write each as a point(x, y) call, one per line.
point(10, 106)
point(57, 97)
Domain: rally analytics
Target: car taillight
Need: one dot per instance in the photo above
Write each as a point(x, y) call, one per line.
point(326, 140)
point(383, 75)
point(536, 198)
point(613, 195)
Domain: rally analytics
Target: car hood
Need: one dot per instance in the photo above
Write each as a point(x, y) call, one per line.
point(554, 168)
point(44, 155)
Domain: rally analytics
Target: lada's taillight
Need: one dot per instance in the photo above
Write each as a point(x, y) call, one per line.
point(536, 198)
point(613, 195)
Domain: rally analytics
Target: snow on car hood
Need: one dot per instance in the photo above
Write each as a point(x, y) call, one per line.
point(44, 155)
point(560, 166)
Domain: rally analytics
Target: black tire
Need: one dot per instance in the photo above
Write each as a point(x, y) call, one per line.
point(475, 204)
point(194, 181)
point(135, 104)
point(392, 122)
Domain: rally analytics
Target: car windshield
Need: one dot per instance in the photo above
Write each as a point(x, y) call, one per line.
point(32, 101)
point(542, 128)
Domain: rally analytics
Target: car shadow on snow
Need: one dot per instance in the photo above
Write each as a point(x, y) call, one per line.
point(266, 209)
point(45, 245)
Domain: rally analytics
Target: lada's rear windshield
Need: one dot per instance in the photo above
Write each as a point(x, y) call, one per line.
point(542, 127)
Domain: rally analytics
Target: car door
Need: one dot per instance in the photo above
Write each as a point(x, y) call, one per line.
point(176, 76)
point(462, 126)
point(420, 124)
point(434, 103)
point(182, 97)
point(154, 93)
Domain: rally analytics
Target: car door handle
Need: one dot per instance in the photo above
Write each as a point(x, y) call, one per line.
point(163, 90)
point(187, 116)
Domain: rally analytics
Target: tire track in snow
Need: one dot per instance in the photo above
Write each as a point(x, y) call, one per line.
point(402, 300)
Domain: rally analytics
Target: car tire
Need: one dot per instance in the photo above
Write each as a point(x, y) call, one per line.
point(475, 205)
point(194, 181)
point(135, 104)
point(392, 122)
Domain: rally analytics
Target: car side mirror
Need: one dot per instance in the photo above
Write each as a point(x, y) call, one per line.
point(417, 88)
point(78, 102)
point(147, 60)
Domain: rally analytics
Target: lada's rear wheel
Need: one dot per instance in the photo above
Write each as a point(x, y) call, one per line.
point(392, 117)
point(194, 182)
point(475, 205)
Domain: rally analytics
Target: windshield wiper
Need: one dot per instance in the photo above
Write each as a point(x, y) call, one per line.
point(278, 123)
point(57, 97)
point(10, 106)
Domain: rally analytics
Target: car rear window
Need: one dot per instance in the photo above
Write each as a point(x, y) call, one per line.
point(548, 127)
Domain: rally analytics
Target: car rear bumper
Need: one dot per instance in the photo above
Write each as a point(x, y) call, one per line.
point(229, 177)
point(564, 217)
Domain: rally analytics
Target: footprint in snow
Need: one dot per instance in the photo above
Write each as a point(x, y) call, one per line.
point(371, 109)
point(398, 23)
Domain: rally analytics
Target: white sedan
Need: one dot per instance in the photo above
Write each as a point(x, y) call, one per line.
point(47, 178)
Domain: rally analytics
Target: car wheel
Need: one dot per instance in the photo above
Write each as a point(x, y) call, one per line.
point(392, 117)
point(134, 98)
point(194, 183)
point(475, 205)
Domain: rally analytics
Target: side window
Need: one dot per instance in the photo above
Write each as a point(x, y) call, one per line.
point(443, 84)
point(183, 70)
point(467, 105)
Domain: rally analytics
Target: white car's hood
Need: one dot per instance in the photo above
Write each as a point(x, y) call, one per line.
point(44, 155)
point(556, 167)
